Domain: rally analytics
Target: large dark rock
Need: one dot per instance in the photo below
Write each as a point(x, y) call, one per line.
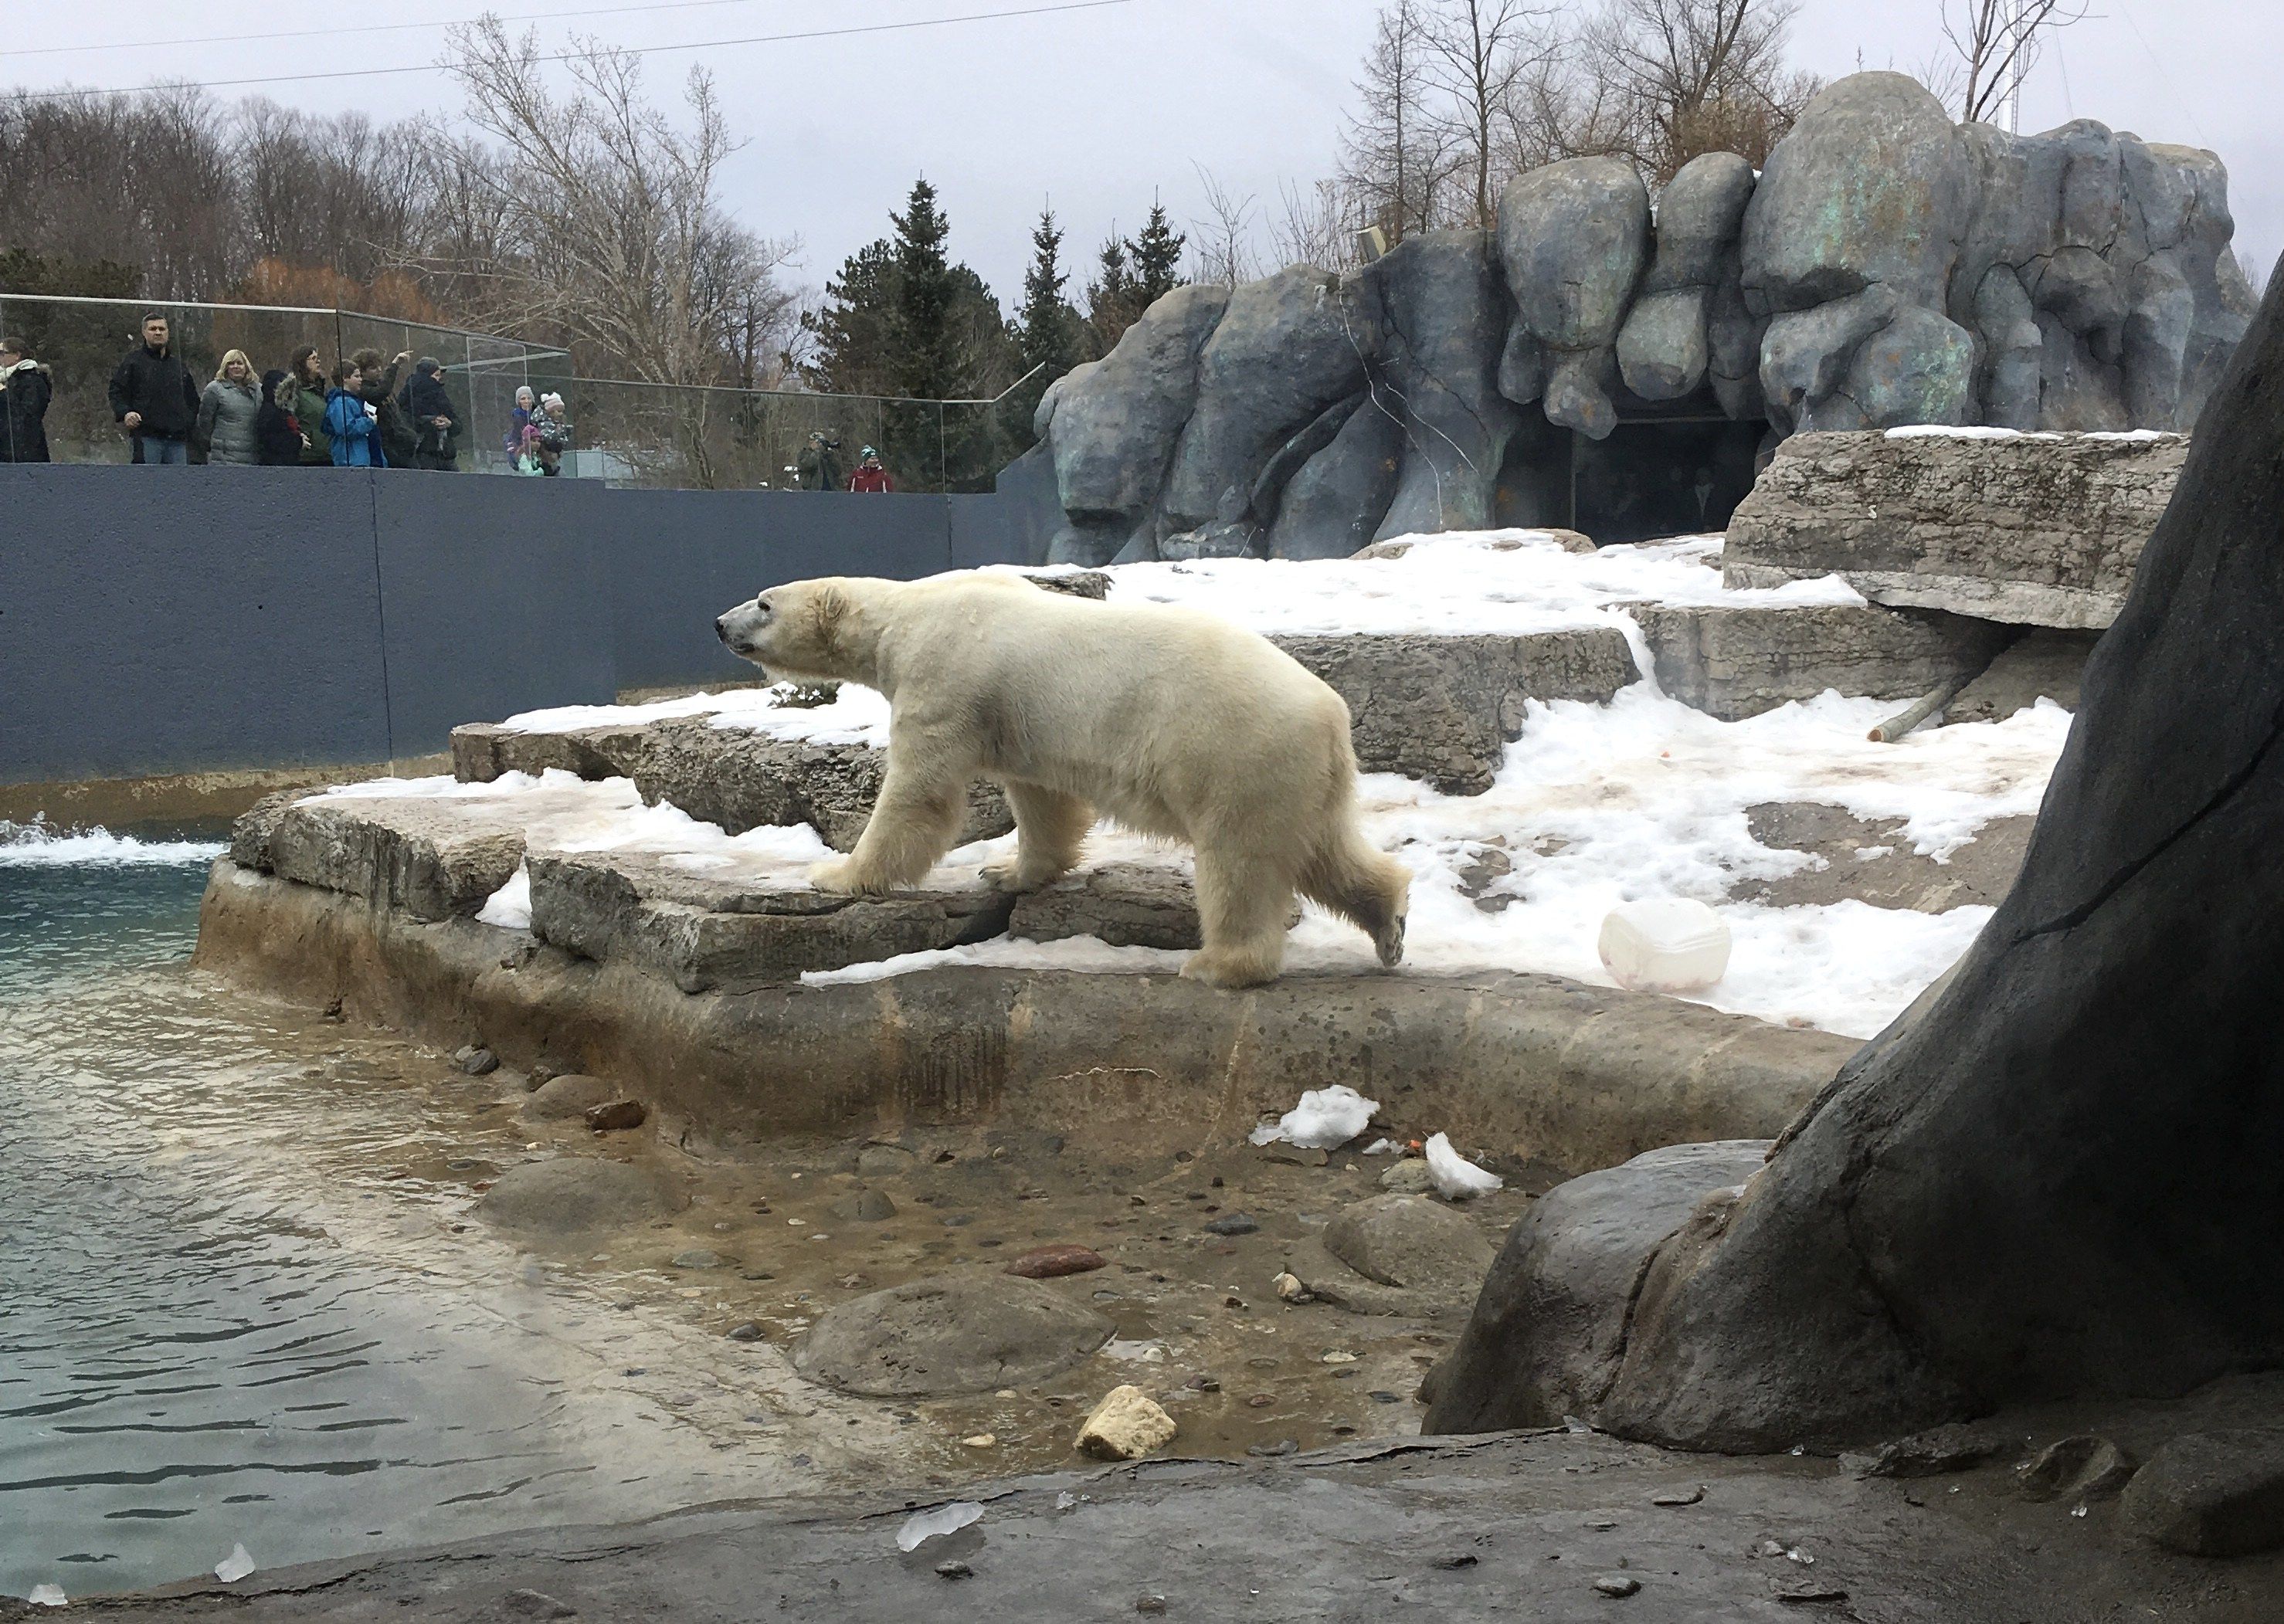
point(2212, 1493)
point(1285, 348)
point(1949, 1229)
point(1333, 506)
point(1573, 237)
point(1549, 1330)
point(1445, 309)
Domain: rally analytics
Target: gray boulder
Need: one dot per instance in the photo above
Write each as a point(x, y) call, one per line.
point(1115, 427)
point(2218, 1493)
point(572, 1198)
point(1733, 662)
point(1445, 309)
point(1411, 1242)
point(1126, 904)
point(568, 1097)
point(428, 858)
point(1664, 350)
point(948, 1334)
point(1871, 187)
point(1573, 237)
point(1286, 347)
point(1548, 1330)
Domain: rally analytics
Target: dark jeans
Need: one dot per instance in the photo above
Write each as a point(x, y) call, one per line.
point(436, 462)
point(152, 451)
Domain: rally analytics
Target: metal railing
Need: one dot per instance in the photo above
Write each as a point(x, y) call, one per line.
point(658, 435)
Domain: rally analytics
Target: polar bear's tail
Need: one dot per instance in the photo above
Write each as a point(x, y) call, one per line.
point(1363, 885)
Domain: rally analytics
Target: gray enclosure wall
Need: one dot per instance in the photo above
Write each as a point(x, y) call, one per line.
point(160, 620)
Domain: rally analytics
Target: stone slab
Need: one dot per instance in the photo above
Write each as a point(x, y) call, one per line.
point(704, 930)
point(2032, 530)
point(429, 859)
point(1739, 661)
point(1442, 709)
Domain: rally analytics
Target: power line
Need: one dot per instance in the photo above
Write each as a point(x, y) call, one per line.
point(378, 27)
point(567, 56)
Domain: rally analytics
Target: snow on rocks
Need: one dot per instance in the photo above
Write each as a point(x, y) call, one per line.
point(1324, 1119)
point(1457, 1179)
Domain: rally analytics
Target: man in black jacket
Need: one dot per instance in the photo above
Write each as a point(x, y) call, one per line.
point(154, 398)
point(25, 390)
point(435, 418)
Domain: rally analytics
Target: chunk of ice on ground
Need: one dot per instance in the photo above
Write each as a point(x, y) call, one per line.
point(936, 1520)
point(1457, 1179)
point(511, 904)
point(1325, 1117)
point(234, 1567)
point(48, 1596)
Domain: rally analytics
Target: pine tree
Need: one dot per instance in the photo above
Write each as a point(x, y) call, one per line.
point(1110, 307)
point(927, 358)
point(1157, 256)
point(851, 336)
point(1048, 332)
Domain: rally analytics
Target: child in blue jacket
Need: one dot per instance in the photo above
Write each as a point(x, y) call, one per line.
point(350, 424)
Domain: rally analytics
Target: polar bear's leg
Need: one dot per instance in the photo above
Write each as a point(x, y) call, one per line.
point(1244, 898)
point(1364, 887)
point(1049, 830)
point(914, 822)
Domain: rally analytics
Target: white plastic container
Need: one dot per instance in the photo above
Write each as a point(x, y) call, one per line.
point(1668, 945)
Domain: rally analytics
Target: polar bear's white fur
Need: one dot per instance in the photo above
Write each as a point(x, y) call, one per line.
point(1174, 723)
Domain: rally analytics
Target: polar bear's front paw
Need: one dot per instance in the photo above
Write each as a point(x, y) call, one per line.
point(1009, 874)
point(838, 877)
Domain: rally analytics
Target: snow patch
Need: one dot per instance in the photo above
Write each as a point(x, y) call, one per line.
point(1325, 1119)
point(1457, 1179)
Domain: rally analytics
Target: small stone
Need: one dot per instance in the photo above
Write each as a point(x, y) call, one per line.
point(534, 1604)
point(476, 1062)
point(615, 1115)
point(1271, 1451)
point(1617, 1584)
point(1678, 1497)
point(1127, 1424)
point(1206, 1384)
point(1950, 1448)
point(1053, 1263)
point(1233, 1224)
point(1290, 1288)
point(954, 1569)
point(1408, 1177)
point(1382, 1395)
point(1260, 1400)
point(697, 1257)
point(1810, 1590)
point(982, 1441)
point(1336, 1356)
point(1150, 1604)
point(865, 1207)
point(883, 1161)
point(958, 1220)
point(1458, 1560)
point(2084, 1467)
point(748, 1330)
point(1305, 1156)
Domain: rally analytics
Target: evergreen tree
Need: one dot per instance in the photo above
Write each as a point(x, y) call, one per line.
point(927, 351)
point(1110, 307)
point(1157, 256)
point(1048, 332)
point(851, 338)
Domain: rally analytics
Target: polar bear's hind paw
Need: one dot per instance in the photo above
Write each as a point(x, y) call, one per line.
point(838, 877)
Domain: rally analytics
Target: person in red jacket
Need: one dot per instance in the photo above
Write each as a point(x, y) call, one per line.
point(869, 474)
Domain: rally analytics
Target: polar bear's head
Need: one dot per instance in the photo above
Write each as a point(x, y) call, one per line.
point(804, 628)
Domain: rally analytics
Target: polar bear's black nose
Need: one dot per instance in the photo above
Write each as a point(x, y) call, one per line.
point(722, 627)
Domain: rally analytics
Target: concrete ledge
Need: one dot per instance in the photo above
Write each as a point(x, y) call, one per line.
point(1577, 1077)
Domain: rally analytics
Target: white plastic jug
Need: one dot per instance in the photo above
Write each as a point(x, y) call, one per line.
point(1666, 945)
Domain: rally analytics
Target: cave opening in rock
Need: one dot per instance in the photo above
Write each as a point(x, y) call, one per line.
point(1655, 476)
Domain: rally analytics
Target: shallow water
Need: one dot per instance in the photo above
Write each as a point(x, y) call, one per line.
point(190, 1356)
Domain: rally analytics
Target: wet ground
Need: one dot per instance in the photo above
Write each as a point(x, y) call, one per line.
point(244, 1297)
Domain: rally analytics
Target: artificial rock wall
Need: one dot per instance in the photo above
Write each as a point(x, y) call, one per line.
point(1888, 267)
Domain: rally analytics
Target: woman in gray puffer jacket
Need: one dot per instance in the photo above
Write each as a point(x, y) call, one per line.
point(226, 413)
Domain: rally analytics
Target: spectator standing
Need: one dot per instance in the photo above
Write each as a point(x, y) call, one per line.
point(227, 411)
point(397, 436)
point(870, 475)
point(277, 435)
point(154, 398)
point(553, 426)
point(352, 427)
point(820, 464)
point(306, 387)
point(434, 420)
point(25, 390)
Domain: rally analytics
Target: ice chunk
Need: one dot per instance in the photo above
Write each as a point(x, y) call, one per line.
point(511, 904)
point(234, 1567)
point(48, 1596)
point(1457, 1179)
point(1325, 1117)
point(1664, 945)
point(936, 1520)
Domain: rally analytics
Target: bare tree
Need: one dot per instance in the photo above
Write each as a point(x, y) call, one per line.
point(1397, 153)
point(1996, 42)
point(1221, 244)
point(1697, 76)
point(1314, 226)
point(1476, 50)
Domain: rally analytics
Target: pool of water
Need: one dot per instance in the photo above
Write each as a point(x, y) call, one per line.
point(196, 1350)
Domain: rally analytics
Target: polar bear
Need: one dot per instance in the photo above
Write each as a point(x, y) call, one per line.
point(1173, 723)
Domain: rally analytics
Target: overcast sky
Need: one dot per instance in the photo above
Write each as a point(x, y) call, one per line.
point(1099, 110)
